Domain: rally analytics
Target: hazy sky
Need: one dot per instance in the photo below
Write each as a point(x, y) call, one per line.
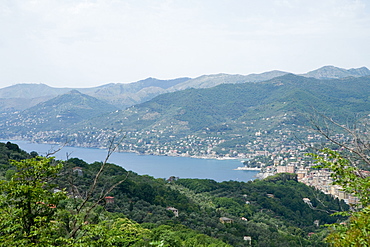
point(85, 43)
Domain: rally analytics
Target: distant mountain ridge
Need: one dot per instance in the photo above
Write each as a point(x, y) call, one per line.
point(58, 113)
point(123, 95)
point(331, 72)
point(31, 90)
point(18, 97)
point(207, 81)
point(35, 90)
point(197, 109)
point(228, 115)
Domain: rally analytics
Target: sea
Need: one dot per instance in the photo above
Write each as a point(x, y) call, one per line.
point(152, 165)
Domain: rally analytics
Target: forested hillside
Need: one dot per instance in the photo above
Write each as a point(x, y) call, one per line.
point(271, 212)
point(59, 113)
point(235, 120)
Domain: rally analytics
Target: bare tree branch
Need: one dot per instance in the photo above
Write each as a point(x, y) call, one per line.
point(357, 149)
point(111, 149)
point(51, 151)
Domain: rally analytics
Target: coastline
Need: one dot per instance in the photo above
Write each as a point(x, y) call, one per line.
point(129, 151)
point(158, 166)
point(243, 168)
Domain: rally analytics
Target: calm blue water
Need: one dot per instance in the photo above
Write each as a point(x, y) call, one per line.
point(156, 166)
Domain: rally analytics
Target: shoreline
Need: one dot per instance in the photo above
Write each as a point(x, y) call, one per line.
point(156, 166)
point(128, 151)
point(243, 168)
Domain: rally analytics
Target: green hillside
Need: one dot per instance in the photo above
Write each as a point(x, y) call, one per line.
point(122, 95)
point(201, 108)
point(58, 113)
point(272, 212)
point(283, 103)
point(214, 121)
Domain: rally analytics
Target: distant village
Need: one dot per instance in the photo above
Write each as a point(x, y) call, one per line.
point(318, 178)
point(163, 140)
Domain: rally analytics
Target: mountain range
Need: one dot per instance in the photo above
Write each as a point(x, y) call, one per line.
point(232, 113)
point(122, 95)
point(284, 99)
point(59, 113)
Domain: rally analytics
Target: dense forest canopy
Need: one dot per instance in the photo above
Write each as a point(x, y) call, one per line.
point(270, 212)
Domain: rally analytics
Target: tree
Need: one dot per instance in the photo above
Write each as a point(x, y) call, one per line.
point(346, 172)
point(356, 231)
point(28, 204)
point(33, 212)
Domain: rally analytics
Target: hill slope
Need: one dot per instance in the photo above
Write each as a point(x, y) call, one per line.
point(123, 95)
point(197, 109)
point(272, 211)
point(57, 114)
point(223, 120)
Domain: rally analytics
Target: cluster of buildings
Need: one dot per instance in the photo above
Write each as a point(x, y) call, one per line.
point(246, 142)
point(319, 178)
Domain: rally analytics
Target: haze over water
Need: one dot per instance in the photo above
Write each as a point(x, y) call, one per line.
point(156, 166)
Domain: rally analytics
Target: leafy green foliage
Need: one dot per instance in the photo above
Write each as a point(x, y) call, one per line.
point(346, 175)
point(274, 208)
point(356, 231)
point(10, 151)
point(28, 204)
point(138, 216)
point(32, 213)
point(178, 236)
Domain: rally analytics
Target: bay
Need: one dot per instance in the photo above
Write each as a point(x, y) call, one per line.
point(155, 166)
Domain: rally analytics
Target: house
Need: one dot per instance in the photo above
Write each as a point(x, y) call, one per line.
point(225, 220)
point(172, 179)
point(109, 199)
point(78, 170)
point(248, 239)
point(306, 200)
point(270, 195)
point(316, 223)
point(174, 210)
